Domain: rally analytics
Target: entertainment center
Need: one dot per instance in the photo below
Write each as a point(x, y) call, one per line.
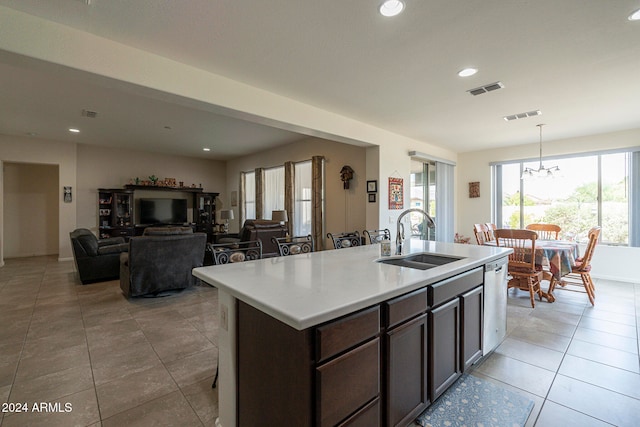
point(122, 214)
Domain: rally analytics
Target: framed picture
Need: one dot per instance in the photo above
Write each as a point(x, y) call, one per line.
point(234, 198)
point(396, 194)
point(372, 197)
point(372, 186)
point(474, 190)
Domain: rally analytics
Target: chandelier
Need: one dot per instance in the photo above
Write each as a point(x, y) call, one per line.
point(541, 172)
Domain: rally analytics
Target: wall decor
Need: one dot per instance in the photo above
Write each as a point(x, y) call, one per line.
point(396, 194)
point(474, 190)
point(346, 175)
point(372, 197)
point(67, 195)
point(234, 198)
point(372, 186)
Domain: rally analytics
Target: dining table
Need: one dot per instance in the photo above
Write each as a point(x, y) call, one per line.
point(558, 255)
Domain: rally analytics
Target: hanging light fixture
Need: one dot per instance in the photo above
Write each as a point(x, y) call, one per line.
point(541, 172)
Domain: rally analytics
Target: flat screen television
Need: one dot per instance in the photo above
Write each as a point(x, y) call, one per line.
point(163, 211)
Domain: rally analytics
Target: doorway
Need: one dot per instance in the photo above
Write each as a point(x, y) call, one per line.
point(423, 196)
point(31, 210)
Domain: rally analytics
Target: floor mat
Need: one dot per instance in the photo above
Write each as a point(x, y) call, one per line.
point(472, 401)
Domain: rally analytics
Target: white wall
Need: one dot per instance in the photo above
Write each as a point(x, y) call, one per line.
point(103, 167)
point(16, 149)
point(609, 262)
point(31, 211)
point(345, 209)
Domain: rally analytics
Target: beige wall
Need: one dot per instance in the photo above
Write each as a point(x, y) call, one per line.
point(102, 167)
point(345, 209)
point(609, 262)
point(63, 155)
point(31, 211)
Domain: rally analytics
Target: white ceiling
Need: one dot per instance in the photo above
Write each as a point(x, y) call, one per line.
point(576, 61)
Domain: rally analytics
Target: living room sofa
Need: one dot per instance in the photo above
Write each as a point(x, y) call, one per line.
point(161, 260)
point(96, 260)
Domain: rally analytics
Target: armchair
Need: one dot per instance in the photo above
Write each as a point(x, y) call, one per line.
point(161, 260)
point(263, 230)
point(96, 260)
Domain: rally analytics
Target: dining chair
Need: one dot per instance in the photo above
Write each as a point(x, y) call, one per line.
point(345, 240)
point(227, 253)
point(483, 233)
point(525, 273)
point(294, 245)
point(580, 275)
point(376, 236)
point(545, 231)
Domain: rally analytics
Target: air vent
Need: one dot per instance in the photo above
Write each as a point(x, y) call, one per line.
point(522, 115)
point(486, 88)
point(90, 114)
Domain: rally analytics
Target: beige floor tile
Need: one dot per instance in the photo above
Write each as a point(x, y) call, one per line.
point(133, 390)
point(78, 409)
point(169, 410)
point(203, 399)
point(52, 386)
point(111, 365)
point(194, 368)
point(51, 362)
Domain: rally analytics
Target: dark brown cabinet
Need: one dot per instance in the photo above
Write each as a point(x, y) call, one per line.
point(444, 325)
point(407, 371)
point(204, 213)
point(115, 213)
point(472, 326)
point(382, 365)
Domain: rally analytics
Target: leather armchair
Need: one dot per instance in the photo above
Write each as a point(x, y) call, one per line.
point(161, 260)
point(263, 230)
point(96, 260)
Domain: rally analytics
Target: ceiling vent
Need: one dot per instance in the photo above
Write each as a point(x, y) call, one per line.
point(486, 88)
point(522, 115)
point(90, 114)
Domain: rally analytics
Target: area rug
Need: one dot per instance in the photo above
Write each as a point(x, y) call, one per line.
point(471, 401)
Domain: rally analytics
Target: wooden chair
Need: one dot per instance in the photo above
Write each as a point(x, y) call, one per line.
point(376, 236)
point(525, 273)
point(294, 245)
point(483, 233)
point(581, 272)
point(345, 240)
point(545, 231)
point(227, 253)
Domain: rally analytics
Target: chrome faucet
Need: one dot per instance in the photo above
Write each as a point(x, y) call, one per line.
point(399, 225)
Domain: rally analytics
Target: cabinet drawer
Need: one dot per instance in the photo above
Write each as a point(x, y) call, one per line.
point(347, 383)
point(457, 285)
point(342, 334)
point(405, 307)
point(369, 416)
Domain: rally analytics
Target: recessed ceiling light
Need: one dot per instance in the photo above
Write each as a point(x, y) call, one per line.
point(74, 130)
point(391, 7)
point(635, 16)
point(467, 72)
point(206, 149)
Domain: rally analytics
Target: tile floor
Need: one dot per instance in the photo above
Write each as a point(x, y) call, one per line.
point(117, 362)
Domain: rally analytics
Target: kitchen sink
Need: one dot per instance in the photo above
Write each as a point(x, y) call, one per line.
point(421, 261)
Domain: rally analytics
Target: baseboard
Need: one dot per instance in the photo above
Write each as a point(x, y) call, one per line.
point(65, 259)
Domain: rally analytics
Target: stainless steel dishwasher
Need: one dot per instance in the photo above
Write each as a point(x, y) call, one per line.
point(495, 304)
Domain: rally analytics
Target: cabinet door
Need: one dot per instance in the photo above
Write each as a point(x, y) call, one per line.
point(407, 371)
point(444, 327)
point(472, 316)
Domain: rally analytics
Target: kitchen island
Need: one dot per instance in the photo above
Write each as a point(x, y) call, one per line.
point(327, 338)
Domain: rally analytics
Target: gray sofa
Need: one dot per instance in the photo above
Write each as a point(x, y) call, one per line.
point(96, 260)
point(161, 260)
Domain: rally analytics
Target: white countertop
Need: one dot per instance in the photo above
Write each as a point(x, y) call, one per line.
point(308, 289)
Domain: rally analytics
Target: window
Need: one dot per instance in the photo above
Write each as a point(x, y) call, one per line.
point(302, 199)
point(273, 190)
point(591, 190)
point(250, 194)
